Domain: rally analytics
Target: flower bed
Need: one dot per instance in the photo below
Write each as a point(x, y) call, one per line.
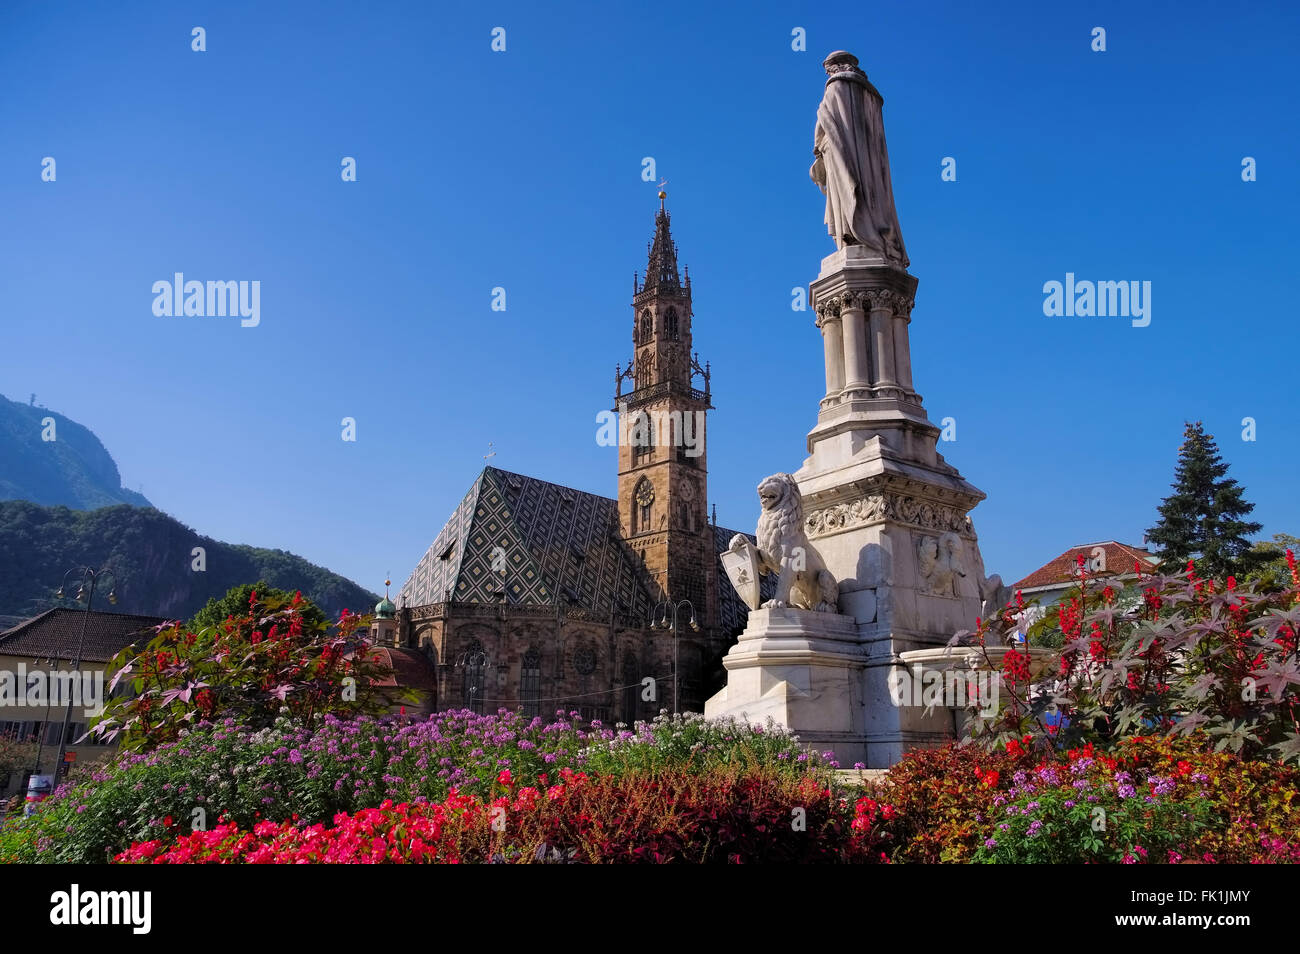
point(1151, 801)
point(677, 817)
point(287, 772)
point(470, 788)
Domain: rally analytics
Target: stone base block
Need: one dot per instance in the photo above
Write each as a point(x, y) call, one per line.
point(804, 671)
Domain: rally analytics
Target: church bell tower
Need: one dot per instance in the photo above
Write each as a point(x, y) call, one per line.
point(662, 465)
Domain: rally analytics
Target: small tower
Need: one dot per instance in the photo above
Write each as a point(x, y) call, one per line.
point(384, 628)
point(662, 467)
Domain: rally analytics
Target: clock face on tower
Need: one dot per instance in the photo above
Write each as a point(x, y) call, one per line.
point(645, 493)
point(688, 491)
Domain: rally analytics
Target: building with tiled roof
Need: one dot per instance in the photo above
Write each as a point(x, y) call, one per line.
point(46, 644)
point(57, 632)
point(539, 597)
point(1111, 559)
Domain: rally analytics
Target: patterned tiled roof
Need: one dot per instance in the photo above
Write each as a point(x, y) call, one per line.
point(554, 542)
point(58, 631)
point(1120, 558)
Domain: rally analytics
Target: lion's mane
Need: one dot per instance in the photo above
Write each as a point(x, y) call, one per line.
point(784, 521)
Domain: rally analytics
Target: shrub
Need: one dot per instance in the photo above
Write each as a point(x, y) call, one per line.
point(1186, 655)
point(278, 658)
point(1162, 800)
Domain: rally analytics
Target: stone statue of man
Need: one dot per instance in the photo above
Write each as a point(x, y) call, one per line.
point(852, 165)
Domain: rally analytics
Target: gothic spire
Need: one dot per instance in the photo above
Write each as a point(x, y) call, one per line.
point(661, 272)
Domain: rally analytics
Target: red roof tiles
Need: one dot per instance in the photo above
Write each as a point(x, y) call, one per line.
point(1119, 559)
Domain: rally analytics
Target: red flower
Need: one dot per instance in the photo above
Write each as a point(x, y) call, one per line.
point(504, 778)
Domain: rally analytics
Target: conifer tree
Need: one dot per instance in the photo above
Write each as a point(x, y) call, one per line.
point(1203, 518)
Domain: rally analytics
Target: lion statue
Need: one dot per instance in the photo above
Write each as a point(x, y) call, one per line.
point(802, 580)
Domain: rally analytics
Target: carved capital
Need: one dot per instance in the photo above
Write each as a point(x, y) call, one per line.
point(828, 309)
point(854, 300)
point(879, 299)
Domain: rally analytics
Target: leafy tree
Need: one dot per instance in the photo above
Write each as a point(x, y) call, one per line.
point(1274, 570)
point(1203, 518)
point(1194, 655)
point(269, 661)
point(16, 755)
point(236, 601)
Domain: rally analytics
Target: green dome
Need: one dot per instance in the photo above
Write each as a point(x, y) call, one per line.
point(385, 609)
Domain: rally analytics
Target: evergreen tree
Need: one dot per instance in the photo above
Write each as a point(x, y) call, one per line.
point(1202, 518)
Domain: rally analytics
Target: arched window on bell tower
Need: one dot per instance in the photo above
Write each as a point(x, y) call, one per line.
point(647, 327)
point(672, 324)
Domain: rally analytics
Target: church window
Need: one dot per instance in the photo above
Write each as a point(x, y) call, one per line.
point(631, 688)
point(530, 683)
point(647, 327)
point(473, 683)
point(672, 324)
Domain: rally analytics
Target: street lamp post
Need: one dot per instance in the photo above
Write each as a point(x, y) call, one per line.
point(90, 581)
point(475, 662)
point(662, 622)
point(52, 661)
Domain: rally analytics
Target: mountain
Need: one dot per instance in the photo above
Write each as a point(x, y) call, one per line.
point(152, 554)
point(74, 469)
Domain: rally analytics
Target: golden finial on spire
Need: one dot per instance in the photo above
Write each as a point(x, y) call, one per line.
point(662, 194)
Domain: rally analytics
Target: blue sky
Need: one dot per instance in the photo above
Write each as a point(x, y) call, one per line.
point(522, 169)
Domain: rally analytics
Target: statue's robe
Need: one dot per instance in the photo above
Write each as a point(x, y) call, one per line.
point(852, 168)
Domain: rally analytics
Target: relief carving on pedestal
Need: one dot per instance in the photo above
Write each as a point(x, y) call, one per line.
point(939, 561)
point(887, 506)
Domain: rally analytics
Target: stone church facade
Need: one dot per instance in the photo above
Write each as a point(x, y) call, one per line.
point(538, 597)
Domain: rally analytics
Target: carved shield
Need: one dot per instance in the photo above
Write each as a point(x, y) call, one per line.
point(742, 569)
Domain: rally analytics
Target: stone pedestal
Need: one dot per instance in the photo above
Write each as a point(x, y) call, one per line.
point(803, 669)
point(883, 508)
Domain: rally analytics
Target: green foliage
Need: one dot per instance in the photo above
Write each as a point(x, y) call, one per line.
point(1195, 655)
point(1203, 518)
point(153, 556)
point(270, 659)
point(1272, 572)
point(235, 604)
point(16, 755)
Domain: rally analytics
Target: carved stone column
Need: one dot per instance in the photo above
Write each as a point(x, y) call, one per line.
point(902, 349)
point(828, 320)
point(882, 337)
point(857, 369)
